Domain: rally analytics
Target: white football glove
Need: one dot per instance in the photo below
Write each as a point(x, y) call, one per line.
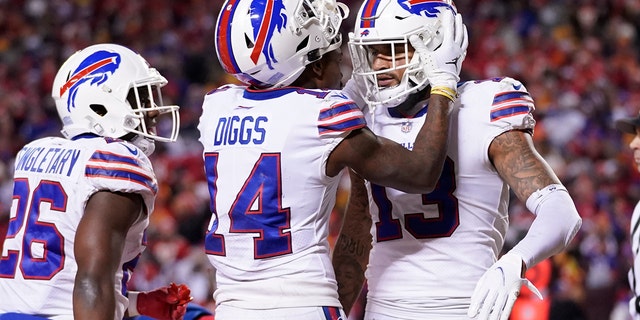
point(442, 65)
point(498, 289)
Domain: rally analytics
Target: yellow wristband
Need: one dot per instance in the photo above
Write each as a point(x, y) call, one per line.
point(445, 91)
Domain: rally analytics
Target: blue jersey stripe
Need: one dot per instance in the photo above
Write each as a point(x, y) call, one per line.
point(19, 316)
point(510, 111)
point(345, 125)
point(120, 174)
point(331, 313)
point(337, 110)
point(511, 96)
point(112, 157)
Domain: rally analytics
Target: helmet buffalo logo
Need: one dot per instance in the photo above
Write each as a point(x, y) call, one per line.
point(427, 8)
point(364, 33)
point(95, 68)
point(266, 17)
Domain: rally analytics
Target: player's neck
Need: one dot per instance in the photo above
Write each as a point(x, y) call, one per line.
point(414, 103)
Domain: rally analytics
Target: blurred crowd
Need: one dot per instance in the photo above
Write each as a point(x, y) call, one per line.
point(580, 59)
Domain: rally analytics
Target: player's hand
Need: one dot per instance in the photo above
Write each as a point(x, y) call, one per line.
point(498, 289)
point(442, 64)
point(166, 303)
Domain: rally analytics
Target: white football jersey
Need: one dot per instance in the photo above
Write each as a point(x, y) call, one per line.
point(430, 250)
point(53, 179)
point(265, 155)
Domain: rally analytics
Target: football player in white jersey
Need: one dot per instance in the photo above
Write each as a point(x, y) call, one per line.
point(275, 149)
point(632, 125)
point(81, 203)
point(436, 255)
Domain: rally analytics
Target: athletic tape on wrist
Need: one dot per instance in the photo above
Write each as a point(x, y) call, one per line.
point(445, 91)
point(133, 303)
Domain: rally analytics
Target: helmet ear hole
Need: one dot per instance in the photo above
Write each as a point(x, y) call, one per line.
point(303, 44)
point(314, 55)
point(248, 41)
point(98, 109)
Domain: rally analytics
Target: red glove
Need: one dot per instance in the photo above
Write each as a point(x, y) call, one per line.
point(166, 303)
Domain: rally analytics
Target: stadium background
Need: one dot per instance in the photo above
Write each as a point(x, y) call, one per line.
point(580, 60)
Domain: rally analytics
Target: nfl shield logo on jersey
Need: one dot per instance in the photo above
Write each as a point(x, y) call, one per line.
point(406, 127)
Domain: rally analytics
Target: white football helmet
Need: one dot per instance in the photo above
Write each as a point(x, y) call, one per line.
point(111, 91)
point(268, 43)
point(392, 22)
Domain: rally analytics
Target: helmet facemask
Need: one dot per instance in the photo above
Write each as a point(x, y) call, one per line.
point(363, 55)
point(149, 117)
point(392, 23)
point(150, 112)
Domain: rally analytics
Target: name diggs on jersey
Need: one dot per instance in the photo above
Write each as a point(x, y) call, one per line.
point(235, 130)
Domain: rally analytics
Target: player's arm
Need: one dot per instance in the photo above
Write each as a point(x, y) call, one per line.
point(519, 164)
point(99, 244)
point(557, 221)
point(351, 252)
point(534, 182)
point(384, 162)
point(387, 163)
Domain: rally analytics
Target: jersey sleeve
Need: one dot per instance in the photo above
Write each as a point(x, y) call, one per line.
point(489, 108)
point(512, 106)
point(340, 116)
point(122, 167)
point(503, 104)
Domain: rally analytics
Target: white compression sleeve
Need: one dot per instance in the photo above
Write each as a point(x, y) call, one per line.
point(557, 222)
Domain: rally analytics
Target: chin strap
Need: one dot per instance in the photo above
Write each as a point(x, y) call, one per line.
point(146, 145)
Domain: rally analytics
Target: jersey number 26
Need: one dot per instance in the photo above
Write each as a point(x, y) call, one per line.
point(38, 235)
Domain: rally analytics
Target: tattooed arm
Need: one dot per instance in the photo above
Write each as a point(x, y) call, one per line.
point(556, 223)
point(519, 164)
point(534, 182)
point(351, 252)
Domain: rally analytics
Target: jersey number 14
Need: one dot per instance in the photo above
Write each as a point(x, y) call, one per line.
point(269, 220)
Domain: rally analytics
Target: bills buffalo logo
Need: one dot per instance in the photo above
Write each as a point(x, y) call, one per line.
point(267, 17)
point(427, 8)
point(95, 69)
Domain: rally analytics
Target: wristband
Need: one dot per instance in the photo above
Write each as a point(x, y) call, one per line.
point(445, 91)
point(133, 303)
